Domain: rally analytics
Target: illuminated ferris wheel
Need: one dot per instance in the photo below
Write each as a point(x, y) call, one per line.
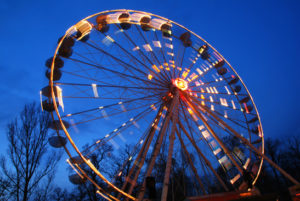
point(129, 77)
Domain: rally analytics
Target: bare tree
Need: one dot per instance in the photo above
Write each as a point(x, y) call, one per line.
point(28, 161)
point(4, 186)
point(60, 195)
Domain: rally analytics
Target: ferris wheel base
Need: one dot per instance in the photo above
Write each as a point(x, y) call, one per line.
point(226, 196)
point(253, 195)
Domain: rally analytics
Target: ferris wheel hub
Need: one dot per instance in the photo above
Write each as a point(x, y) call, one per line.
point(181, 84)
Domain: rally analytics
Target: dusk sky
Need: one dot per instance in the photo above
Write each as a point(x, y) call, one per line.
point(259, 38)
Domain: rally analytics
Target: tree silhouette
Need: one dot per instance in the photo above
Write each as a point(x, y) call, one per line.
point(4, 186)
point(28, 161)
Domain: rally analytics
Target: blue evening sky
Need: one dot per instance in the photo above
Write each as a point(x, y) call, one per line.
point(260, 38)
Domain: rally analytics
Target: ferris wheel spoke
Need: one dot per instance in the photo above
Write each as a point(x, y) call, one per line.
point(110, 105)
point(116, 132)
point(208, 83)
point(228, 117)
point(214, 89)
point(172, 54)
point(152, 54)
point(122, 127)
point(156, 71)
point(140, 159)
point(200, 159)
point(174, 120)
point(158, 144)
point(180, 62)
point(171, 63)
point(140, 62)
point(202, 156)
point(105, 70)
point(113, 114)
point(230, 134)
point(123, 63)
point(108, 76)
point(84, 77)
point(115, 72)
point(187, 155)
point(109, 86)
point(219, 158)
point(161, 50)
point(143, 56)
point(231, 120)
point(224, 104)
point(209, 128)
point(246, 142)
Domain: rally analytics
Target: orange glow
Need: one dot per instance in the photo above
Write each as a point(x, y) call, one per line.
point(181, 84)
point(155, 68)
point(245, 194)
point(246, 108)
point(190, 111)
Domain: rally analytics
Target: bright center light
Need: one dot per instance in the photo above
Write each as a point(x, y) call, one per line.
point(181, 84)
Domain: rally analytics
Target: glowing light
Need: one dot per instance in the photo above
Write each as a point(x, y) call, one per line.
point(95, 91)
point(227, 90)
point(193, 76)
point(170, 53)
point(157, 44)
point(199, 71)
point(150, 77)
point(155, 68)
point(224, 102)
point(153, 107)
point(168, 45)
point(41, 100)
point(233, 105)
point(181, 84)
point(136, 48)
point(235, 178)
point(147, 47)
point(225, 114)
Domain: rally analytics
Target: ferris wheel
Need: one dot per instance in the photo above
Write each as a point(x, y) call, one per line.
point(124, 77)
